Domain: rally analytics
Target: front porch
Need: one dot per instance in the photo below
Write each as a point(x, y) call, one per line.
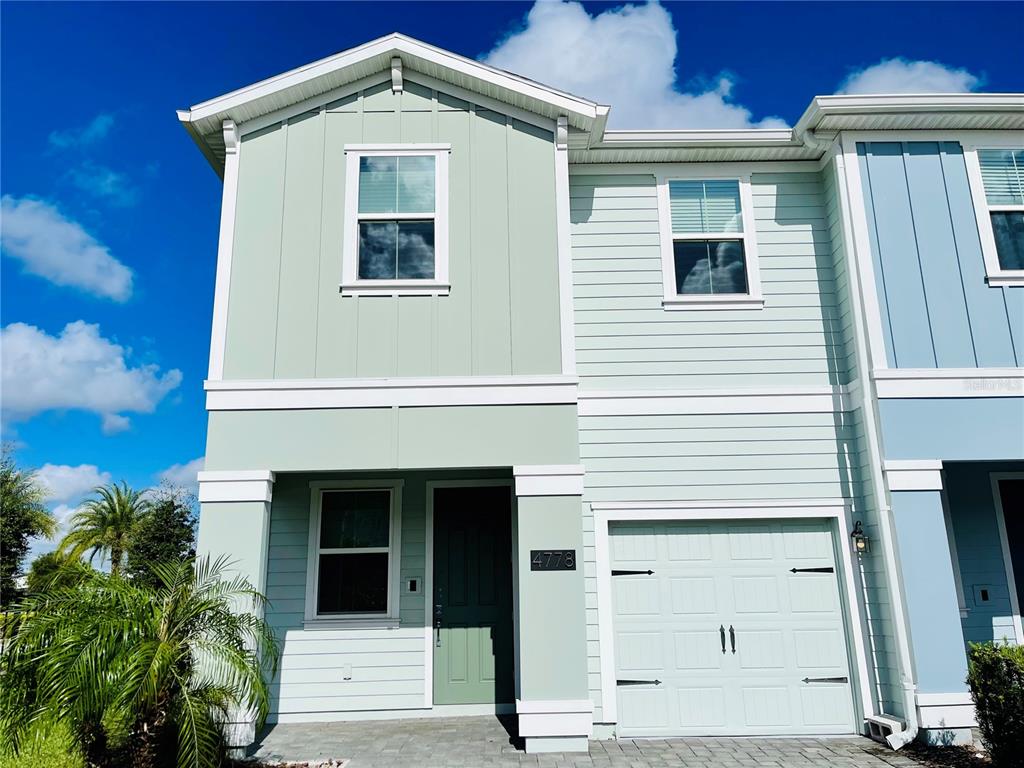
point(492, 741)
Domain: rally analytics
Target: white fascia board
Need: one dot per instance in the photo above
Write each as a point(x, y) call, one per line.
point(914, 475)
point(667, 402)
point(236, 485)
point(716, 138)
point(276, 394)
point(909, 383)
point(905, 103)
point(396, 44)
point(549, 480)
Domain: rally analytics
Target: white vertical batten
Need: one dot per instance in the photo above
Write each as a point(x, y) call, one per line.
point(564, 242)
point(225, 246)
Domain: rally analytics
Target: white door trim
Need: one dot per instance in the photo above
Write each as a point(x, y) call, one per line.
point(428, 580)
point(834, 509)
point(1004, 541)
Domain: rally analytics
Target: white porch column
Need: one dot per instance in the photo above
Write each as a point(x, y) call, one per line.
point(234, 521)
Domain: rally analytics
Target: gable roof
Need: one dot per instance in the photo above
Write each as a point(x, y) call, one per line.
point(204, 120)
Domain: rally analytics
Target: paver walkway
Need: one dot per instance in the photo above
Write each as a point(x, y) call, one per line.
point(483, 742)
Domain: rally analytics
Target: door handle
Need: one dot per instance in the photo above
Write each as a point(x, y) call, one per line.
point(721, 632)
point(732, 638)
point(438, 612)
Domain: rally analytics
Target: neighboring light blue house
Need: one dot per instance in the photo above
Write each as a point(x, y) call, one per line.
point(513, 413)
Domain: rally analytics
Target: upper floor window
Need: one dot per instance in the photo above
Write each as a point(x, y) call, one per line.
point(997, 184)
point(396, 220)
point(709, 257)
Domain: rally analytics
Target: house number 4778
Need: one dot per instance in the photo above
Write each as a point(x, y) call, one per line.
point(552, 559)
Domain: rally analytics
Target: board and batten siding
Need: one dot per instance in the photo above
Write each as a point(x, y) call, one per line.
point(937, 311)
point(286, 317)
point(627, 341)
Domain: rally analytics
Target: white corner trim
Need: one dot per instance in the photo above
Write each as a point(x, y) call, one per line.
point(670, 298)
point(276, 394)
point(703, 401)
point(225, 246)
point(236, 485)
point(893, 383)
point(946, 710)
point(917, 475)
point(549, 480)
point(555, 718)
point(350, 283)
point(566, 316)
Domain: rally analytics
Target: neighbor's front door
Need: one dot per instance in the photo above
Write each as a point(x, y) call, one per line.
point(473, 661)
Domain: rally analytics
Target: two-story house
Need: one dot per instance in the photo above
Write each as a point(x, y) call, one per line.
point(630, 433)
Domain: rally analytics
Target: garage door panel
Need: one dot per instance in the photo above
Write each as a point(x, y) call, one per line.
point(713, 576)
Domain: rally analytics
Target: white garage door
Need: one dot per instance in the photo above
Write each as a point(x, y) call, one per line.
point(737, 630)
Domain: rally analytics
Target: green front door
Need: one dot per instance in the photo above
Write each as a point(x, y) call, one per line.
point(473, 661)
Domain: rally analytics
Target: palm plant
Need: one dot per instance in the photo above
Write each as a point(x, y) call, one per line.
point(139, 676)
point(106, 525)
point(22, 516)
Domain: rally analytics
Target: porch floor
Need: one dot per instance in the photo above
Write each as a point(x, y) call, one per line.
point(479, 742)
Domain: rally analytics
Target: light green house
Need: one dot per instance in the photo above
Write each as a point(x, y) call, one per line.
point(513, 413)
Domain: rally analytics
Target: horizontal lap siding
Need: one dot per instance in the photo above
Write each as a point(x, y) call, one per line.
point(386, 665)
point(626, 340)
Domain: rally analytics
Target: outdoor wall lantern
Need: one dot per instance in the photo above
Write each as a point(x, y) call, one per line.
point(860, 539)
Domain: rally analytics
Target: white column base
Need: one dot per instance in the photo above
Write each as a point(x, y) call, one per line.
point(557, 725)
point(946, 718)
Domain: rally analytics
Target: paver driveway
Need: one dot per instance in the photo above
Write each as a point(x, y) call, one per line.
point(472, 742)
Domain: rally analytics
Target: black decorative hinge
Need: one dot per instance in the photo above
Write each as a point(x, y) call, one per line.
point(632, 573)
point(828, 569)
point(638, 682)
point(826, 680)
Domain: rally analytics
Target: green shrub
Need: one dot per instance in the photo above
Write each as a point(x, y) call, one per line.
point(996, 677)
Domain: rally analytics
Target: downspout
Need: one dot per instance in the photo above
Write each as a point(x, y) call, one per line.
point(869, 404)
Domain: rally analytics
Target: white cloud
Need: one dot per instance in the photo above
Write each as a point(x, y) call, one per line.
point(54, 247)
point(103, 182)
point(62, 513)
point(624, 57)
point(183, 475)
point(901, 75)
point(65, 483)
point(96, 129)
point(79, 369)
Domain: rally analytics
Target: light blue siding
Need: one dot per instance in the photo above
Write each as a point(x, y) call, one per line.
point(936, 309)
point(979, 549)
point(954, 429)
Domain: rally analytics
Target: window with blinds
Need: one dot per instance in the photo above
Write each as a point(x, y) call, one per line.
point(1002, 176)
point(709, 251)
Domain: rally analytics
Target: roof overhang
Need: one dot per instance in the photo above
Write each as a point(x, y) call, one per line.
point(204, 121)
point(914, 112)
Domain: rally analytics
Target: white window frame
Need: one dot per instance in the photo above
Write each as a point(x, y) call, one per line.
point(351, 284)
point(995, 274)
point(394, 550)
point(753, 299)
point(1004, 544)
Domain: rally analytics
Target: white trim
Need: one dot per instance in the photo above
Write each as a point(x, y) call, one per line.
point(1004, 542)
point(351, 284)
point(858, 247)
point(947, 517)
point(672, 300)
point(225, 247)
point(549, 480)
point(428, 583)
point(895, 105)
point(394, 550)
point(679, 170)
point(396, 74)
point(948, 382)
point(995, 274)
point(944, 699)
point(774, 509)
point(549, 718)
point(236, 485)
point(567, 322)
point(697, 401)
point(957, 713)
point(913, 475)
point(275, 394)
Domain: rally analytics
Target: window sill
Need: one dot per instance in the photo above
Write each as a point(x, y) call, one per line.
point(395, 288)
point(381, 623)
point(1005, 278)
point(714, 302)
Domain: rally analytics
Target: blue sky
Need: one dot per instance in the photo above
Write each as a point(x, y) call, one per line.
point(111, 214)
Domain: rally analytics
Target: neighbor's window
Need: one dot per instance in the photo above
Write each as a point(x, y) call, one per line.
point(353, 553)
point(709, 257)
point(999, 206)
point(396, 223)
